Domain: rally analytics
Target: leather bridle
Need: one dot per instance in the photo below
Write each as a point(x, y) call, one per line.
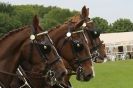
point(48, 71)
point(95, 46)
point(78, 61)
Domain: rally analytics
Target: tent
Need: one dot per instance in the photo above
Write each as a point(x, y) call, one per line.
point(118, 44)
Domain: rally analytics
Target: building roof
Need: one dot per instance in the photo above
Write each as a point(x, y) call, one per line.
point(116, 38)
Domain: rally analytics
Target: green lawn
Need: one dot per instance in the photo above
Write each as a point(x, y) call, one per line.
point(117, 74)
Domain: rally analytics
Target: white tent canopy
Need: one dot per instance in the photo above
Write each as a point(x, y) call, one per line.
point(118, 45)
point(117, 38)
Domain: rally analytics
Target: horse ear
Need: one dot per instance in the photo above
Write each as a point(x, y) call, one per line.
point(85, 12)
point(36, 26)
point(35, 21)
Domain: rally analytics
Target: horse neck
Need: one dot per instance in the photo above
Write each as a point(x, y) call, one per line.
point(58, 33)
point(12, 42)
point(10, 52)
point(14, 39)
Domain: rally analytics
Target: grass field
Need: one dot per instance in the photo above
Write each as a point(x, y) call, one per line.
point(117, 74)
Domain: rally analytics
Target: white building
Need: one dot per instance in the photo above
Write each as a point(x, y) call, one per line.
point(118, 45)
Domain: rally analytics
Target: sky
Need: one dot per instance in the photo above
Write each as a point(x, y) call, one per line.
point(111, 10)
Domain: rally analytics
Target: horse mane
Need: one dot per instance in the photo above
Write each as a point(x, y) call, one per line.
point(74, 18)
point(12, 32)
point(58, 26)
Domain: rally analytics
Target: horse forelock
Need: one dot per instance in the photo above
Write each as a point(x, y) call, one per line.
point(10, 33)
point(75, 18)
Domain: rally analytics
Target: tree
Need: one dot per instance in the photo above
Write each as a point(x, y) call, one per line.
point(49, 23)
point(4, 20)
point(101, 24)
point(25, 14)
point(8, 23)
point(6, 8)
point(43, 10)
point(56, 16)
point(122, 25)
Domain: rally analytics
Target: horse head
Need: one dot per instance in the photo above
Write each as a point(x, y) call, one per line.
point(43, 49)
point(72, 46)
point(97, 47)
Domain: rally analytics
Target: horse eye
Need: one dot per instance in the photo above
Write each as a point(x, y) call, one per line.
point(95, 33)
point(78, 46)
point(45, 49)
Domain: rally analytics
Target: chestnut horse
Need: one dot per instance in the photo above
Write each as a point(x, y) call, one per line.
point(75, 51)
point(92, 42)
point(66, 45)
point(72, 46)
point(97, 47)
point(19, 46)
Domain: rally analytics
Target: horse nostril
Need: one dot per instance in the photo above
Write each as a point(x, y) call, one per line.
point(88, 77)
point(80, 69)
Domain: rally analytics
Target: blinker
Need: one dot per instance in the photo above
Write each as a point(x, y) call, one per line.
point(45, 49)
point(95, 33)
point(77, 46)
